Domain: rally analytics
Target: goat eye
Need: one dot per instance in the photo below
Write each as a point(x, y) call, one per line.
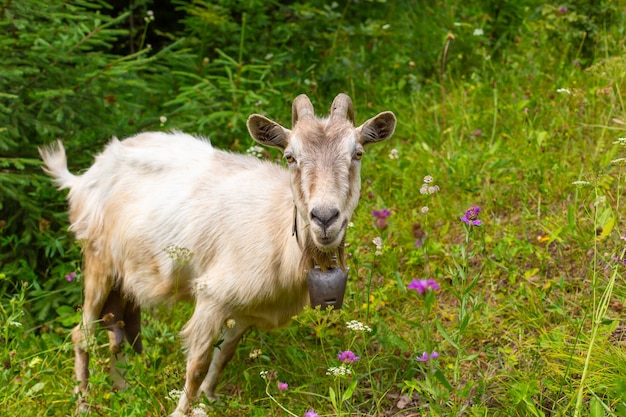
point(358, 155)
point(289, 158)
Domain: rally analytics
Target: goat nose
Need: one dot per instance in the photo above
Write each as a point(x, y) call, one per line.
point(324, 217)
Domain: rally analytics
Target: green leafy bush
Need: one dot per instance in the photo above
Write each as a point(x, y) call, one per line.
point(59, 80)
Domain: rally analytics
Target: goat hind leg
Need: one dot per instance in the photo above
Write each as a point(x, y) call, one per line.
point(97, 285)
point(81, 367)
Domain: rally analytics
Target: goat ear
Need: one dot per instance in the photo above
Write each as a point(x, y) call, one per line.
point(267, 132)
point(376, 129)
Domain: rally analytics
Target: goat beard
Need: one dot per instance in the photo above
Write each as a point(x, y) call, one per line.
point(312, 256)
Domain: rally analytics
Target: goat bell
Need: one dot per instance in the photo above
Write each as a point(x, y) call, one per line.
point(327, 288)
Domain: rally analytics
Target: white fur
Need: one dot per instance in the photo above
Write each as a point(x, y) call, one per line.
point(166, 217)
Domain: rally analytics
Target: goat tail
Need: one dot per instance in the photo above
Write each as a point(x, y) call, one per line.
point(55, 165)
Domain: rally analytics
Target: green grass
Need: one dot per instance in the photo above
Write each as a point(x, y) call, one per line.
point(528, 320)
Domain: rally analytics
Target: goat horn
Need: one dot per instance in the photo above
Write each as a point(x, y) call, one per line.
point(301, 107)
point(342, 108)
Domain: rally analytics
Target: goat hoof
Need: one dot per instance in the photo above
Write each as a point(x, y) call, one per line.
point(119, 386)
point(210, 396)
point(82, 406)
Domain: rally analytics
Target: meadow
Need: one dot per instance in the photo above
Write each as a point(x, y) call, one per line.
point(488, 252)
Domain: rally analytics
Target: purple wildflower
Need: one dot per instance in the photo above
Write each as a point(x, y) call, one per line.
point(422, 285)
point(283, 386)
point(311, 413)
point(425, 356)
point(381, 214)
point(576, 63)
point(563, 10)
point(71, 276)
point(433, 285)
point(381, 218)
point(478, 132)
point(471, 216)
point(347, 356)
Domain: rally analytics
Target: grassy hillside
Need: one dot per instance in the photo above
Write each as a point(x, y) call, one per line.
point(517, 109)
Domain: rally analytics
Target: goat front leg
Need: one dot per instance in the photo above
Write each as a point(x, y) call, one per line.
point(199, 334)
point(222, 354)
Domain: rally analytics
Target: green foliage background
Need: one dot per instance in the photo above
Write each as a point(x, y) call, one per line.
point(488, 123)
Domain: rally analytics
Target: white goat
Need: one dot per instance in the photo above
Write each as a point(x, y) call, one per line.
point(166, 217)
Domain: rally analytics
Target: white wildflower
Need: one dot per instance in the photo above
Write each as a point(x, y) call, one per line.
point(393, 154)
point(179, 254)
point(174, 395)
point(433, 189)
point(163, 119)
point(581, 183)
point(15, 323)
point(255, 151)
point(340, 370)
point(149, 16)
point(478, 32)
point(428, 187)
point(357, 326)
point(618, 161)
point(378, 241)
point(199, 411)
point(255, 354)
point(563, 91)
point(425, 209)
point(263, 374)
point(620, 141)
